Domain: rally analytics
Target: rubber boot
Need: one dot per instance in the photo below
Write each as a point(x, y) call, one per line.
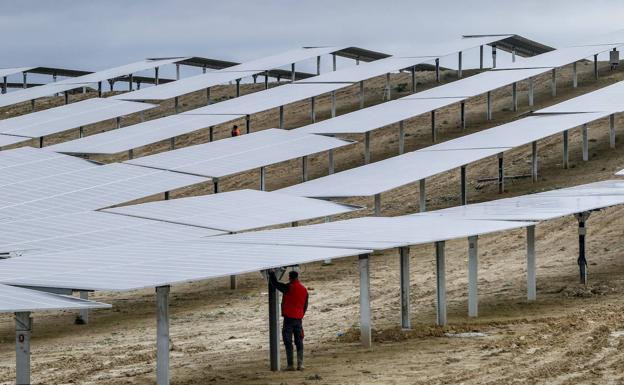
point(289, 360)
point(300, 360)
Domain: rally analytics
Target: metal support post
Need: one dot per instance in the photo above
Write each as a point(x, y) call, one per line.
point(292, 72)
point(440, 283)
point(481, 57)
point(513, 55)
point(462, 115)
point(313, 109)
point(233, 283)
point(434, 132)
point(582, 231)
point(501, 173)
point(304, 168)
point(130, 82)
point(553, 82)
point(401, 137)
point(514, 96)
point(211, 134)
point(162, 335)
point(330, 161)
point(208, 96)
point(365, 308)
point(574, 76)
point(534, 165)
point(32, 105)
point(4, 84)
point(405, 287)
point(361, 94)
point(118, 122)
point(473, 276)
point(156, 77)
point(333, 61)
point(215, 185)
point(494, 56)
point(531, 277)
point(377, 205)
point(23, 331)
point(488, 112)
point(413, 73)
point(176, 104)
point(531, 92)
point(333, 104)
point(99, 89)
point(41, 142)
point(266, 80)
point(422, 196)
point(274, 313)
point(177, 72)
point(66, 97)
point(437, 70)
point(262, 179)
point(172, 143)
point(612, 130)
point(281, 117)
point(81, 132)
point(318, 65)
point(84, 313)
point(464, 186)
point(248, 123)
point(459, 65)
point(238, 87)
point(566, 157)
point(367, 154)
point(596, 67)
point(388, 87)
point(585, 143)
point(130, 154)
point(25, 83)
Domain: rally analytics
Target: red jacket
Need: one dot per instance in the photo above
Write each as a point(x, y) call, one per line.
point(295, 300)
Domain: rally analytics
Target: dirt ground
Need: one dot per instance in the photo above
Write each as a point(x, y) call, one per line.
point(570, 335)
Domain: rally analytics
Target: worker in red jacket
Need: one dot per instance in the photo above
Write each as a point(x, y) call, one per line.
point(235, 131)
point(294, 307)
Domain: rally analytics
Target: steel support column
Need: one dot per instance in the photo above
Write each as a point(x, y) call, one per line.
point(162, 335)
point(333, 104)
point(434, 131)
point(413, 73)
point(566, 155)
point(401, 137)
point(25, 83)
point(266, 80)
point(462, 115)
point(553, 82)
point(459, 65)
point(377, 205)
point(318, 65)
point(494, 56)
point(365, 308)
point(281, 117)
point(388, 88)
point(480, 57)
point(4, 85)
point(84, 313)
point(531, 92)
point(596, 67)
point(262, 179)
point(177, 71)
point(574, 76)
point(248, 123)
point(304, 168)
point(473, 276)
point(488, 112)
point(405, 287)
point(612, 130)
point(23, 331)
point(367, 154)
point(514, 96)
point(211, 133)
point(531, 277)
point(422, 195)
point(207, 96)
point(292, 72)
point(501, 173)
point(585, 143)
point(330, 161)
point(464, 185)
point(274, 313)
point(534, 165)
point(361, 94)
point(156, 77)
point(333, 62)
point(238, 87)
point(437, 70)
point(582, 232)
point(440, 283)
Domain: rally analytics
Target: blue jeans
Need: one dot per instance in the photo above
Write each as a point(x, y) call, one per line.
point(292, 327)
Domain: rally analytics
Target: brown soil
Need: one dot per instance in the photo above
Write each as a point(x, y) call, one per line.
point(567, 336)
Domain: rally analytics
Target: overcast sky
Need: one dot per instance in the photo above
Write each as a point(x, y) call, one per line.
point(92, 35)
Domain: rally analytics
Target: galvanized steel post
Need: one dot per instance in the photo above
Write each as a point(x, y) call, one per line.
point(440, 283)
point(162, 335)
point(365, 308)
point(473, 276)
point(405, 287)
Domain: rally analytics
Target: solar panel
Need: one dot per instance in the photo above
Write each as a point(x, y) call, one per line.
point(235, 211)
point(74, 115)
point(238, 154)
point(478, 84)
point(519, 132)
point(213, 78)
point(80, 81)
point(8, 140)
point(141, 134)
point(12, 71)
point(376, 233)
point(559, 57)
point(621, 172)
point(90, 229)
point(388, 174)
point(85, 190)
point(374, 117)
point(267, 99)
point(607, 99)
point(17, 299)
point(135, 266)
point(541, 206)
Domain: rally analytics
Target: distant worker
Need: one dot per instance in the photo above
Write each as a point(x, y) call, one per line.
point(294, 307)
point(235, 131)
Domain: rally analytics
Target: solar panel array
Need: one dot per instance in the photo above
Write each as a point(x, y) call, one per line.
point(239, 154)
point(16, 299)
point(235, 211)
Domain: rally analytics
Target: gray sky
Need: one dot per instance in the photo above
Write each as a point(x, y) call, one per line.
point(88, 34)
